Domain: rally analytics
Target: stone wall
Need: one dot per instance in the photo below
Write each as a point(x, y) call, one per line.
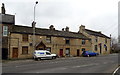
point(56, 44)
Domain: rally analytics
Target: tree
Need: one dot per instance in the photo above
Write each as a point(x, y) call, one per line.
point(115, 46)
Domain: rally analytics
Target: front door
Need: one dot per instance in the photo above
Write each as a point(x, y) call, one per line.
point(78, 52)
point(100, 49)
point(15, 53)
point(4, 53)
point(67, 51)
point(61, 53)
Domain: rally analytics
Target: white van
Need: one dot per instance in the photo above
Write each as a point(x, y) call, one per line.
point(40, 54)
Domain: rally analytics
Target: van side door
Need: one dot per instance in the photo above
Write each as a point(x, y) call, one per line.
point(48, 55)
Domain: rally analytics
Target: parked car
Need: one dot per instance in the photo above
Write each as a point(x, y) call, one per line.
point(89, 53)
point(43, 54)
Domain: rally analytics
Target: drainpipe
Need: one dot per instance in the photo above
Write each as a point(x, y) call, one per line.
point(9, 34)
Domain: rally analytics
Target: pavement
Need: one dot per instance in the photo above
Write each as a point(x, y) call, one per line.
point(99, 64)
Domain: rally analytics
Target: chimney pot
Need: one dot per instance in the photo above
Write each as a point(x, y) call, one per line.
point(67, 29)
point(3, 8)
point(51, 27)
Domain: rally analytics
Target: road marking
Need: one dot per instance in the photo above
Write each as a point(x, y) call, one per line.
point(85, 65)
point(105, 62)
point(115, 71)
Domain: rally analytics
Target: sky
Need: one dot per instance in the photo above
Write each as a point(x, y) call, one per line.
point(98, 15)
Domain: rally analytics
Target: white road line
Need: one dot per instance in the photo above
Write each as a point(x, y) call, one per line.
point(115, 71)
point(105, 62)
point(85, 65)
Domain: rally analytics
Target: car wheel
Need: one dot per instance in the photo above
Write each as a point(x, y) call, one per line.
point(88, 55)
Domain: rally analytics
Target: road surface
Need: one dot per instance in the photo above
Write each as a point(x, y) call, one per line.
point(99, 64)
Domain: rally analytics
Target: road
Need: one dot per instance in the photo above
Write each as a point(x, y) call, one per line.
point(99, 64)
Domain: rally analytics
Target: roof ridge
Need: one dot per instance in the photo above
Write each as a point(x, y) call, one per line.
point(93, 31)
point(47, 32)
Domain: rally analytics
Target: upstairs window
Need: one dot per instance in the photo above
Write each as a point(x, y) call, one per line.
point(105, 40)
point(48, 39)
point(67, 41)
point(83, 42)
point(96, 40)
point(5, 30)
point(25, 37)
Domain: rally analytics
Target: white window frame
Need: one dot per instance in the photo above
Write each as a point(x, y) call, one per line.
point(5, 30)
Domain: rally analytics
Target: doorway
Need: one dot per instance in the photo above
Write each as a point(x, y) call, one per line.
point(78, 52)
point(68, 52)
point(15, 53)
point(61, 53)
point(100, 49)
point(41, 46)
point(4, 53)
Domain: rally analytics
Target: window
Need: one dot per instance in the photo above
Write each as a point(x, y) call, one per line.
point(25, 37)
point(67, 41)
point(105, 40)
point(83, 42)
point(47, 53)
point(48, 39)
point(24, 50)
point(48, 49)
point(96, 40)
point(106, 48)
point(83, 49)
point(95, 47)
point(5, 30)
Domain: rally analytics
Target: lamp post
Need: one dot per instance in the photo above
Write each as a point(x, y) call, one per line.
point(34, 8)
point(33, 25)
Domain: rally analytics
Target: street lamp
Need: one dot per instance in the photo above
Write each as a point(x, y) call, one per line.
point(33, 25)
point(34, 8)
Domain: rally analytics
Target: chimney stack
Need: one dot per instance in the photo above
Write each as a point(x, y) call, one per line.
point(81, 28)
point(3, 8)
point(62, 29)
point(51, 27)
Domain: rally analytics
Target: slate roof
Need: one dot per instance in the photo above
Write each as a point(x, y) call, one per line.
point(47, 32)
point(7, 18)
point(95, 33)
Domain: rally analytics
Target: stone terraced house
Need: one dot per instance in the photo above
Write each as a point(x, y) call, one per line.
point(17, 40)
point(100, 42)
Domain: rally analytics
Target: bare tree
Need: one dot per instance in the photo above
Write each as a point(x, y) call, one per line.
point(115, 46)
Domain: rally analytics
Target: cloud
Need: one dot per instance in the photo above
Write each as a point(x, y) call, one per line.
point(98, 15)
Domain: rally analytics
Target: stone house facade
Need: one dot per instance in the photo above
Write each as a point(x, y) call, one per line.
point(100, 42)
point(63, 43)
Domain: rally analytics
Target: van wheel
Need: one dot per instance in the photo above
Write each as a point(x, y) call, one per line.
point(53, 57)
point(36, 59)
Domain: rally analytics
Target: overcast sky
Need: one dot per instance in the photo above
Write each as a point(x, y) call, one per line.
point(98, 15)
